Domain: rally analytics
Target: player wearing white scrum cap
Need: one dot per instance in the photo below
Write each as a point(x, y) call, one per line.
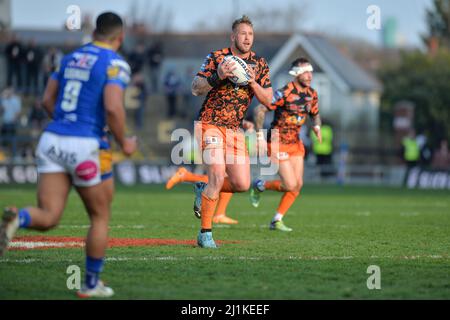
point(292, 105)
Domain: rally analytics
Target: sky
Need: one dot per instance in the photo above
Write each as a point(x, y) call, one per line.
point(334, 17)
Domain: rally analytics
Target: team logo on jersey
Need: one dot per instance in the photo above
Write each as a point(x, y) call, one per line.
point(113, 71)
point(119, 70)
point(121, 64)
point(296, 120)
point(83, 60)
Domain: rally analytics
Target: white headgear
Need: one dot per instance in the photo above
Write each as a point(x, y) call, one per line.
point(296, 71)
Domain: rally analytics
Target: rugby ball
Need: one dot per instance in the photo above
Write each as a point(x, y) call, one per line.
point(240, 74)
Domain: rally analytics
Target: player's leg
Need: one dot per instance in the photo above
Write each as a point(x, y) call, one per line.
point(108, 185)
point(207, 194)
point(281, 156)
point(209, 199)
point(183, 175)
point(287, 181)
point(53, 189)
point(285, 168)
point(211, 140)
point(238, 177)
point(295, 169)
point(237, 164)
point(220, 217)
point(97, 202)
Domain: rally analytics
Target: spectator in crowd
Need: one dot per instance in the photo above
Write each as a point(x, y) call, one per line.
point(441, 157)
point(52, 59)
point(136, 59)
point(186, 90)
point(33, 60)
point(10, 107)
point(171, 85)
point(14, 59)
point(138, 82)
point(410, 150)
point(155, 58)
point(424, 149)
point(324, 150)
point(37, 117)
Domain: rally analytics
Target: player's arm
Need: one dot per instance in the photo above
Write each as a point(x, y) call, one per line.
point(211, 76)
point(51, 92)
point(248, 125)
point(50, 96)
point(277, 100)
point(264, 95)
point(115, 115)
point(261, 88)
point(315, 117)
point(260, 115)
point(317, 122)
point(118, 77)
point(200, 86)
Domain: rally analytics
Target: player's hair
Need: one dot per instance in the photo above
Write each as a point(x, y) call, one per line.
point(244, 19)
point(299, 61)
point(108, 25)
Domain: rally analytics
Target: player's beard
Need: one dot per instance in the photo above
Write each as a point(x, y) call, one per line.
point(303, 83)
point(240, 48)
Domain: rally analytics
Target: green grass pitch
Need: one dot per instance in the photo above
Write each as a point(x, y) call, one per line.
point(338, 233)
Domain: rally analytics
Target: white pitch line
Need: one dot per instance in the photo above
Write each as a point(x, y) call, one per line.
point(40, 244)
point(172, 258)
point(138, 226)
point(409, 214)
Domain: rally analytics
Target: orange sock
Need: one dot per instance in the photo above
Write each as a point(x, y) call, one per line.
point(222, 204)
point(192, 177)
point(226, 186)
point(286, 202)
point(274, 185)
point(208, 208)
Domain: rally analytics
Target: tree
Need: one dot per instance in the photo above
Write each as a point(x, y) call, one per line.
point(425, 81)
point(153, 16)
point(438, 20)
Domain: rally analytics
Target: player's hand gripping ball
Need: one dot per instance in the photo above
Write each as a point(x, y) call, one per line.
point(240, 73)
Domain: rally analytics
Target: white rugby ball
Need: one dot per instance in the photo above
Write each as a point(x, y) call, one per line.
point(240, 74)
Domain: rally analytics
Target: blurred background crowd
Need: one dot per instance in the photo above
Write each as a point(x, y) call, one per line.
point(385, 103)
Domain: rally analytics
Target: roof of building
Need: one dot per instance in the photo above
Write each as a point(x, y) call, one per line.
point(275, 47)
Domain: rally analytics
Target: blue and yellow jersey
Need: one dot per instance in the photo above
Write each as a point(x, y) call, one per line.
point(82, 77)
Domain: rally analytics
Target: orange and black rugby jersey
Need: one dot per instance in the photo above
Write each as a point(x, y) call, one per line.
point(292, 104)
point(227, 104)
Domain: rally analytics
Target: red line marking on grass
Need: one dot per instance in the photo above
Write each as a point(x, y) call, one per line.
point(46, 242)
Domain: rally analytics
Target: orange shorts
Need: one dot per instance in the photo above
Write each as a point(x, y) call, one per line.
point(215, 137)
point(285, 151)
